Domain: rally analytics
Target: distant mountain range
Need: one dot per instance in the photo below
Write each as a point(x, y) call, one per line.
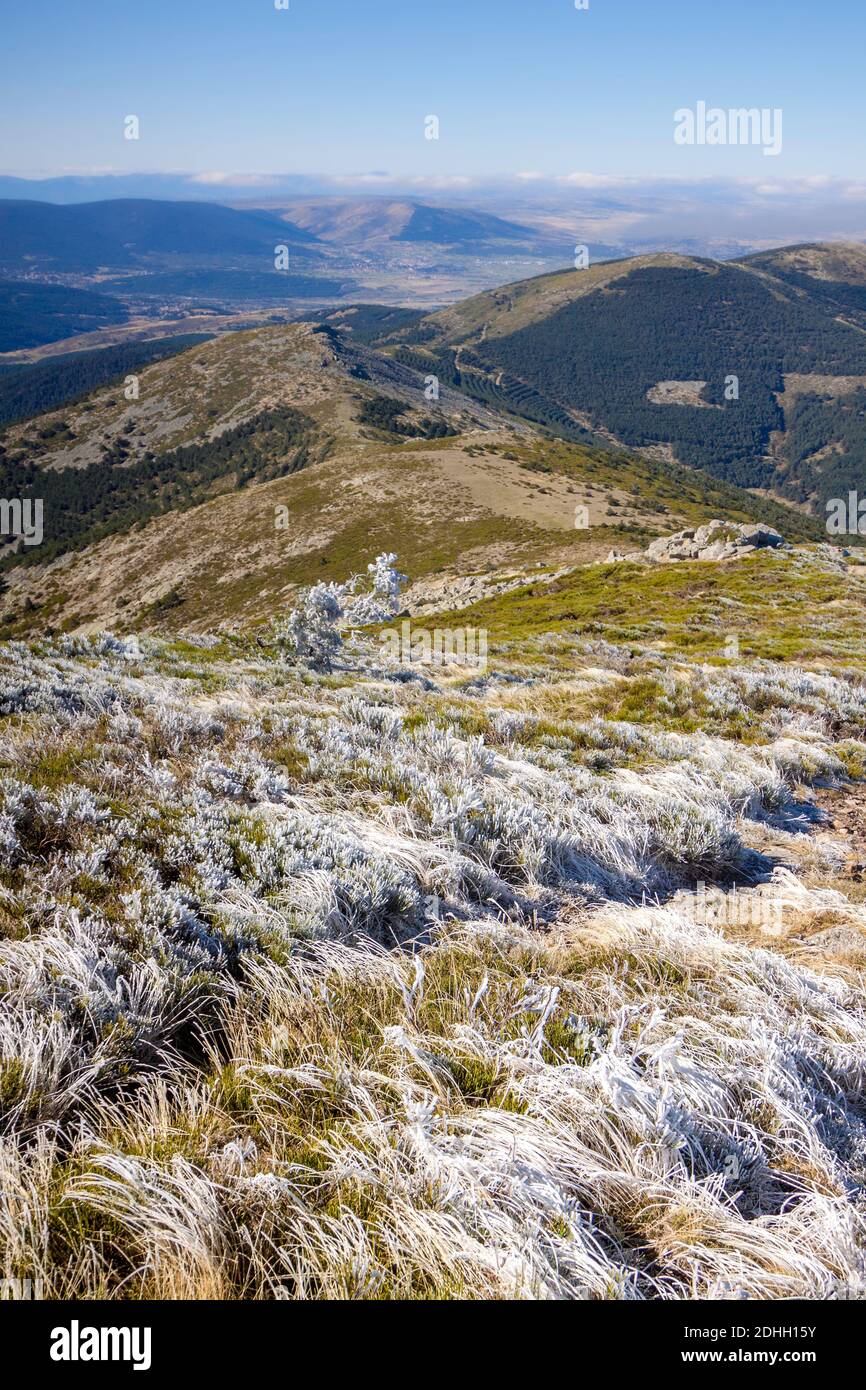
point(129, 232)
point(365, 222)
point(123, 232)
point(149, 257)
point(156, 259)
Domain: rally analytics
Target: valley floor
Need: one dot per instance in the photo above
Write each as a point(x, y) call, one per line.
point(542, 982)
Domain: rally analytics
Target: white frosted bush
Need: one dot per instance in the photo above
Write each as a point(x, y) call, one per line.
point(382, 601)
point(312, 629)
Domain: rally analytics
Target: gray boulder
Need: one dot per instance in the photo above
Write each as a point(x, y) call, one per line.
point(715, 540)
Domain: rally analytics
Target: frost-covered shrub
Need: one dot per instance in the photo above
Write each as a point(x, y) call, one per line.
point(101, 644)
point(383, 599)
point(38, 823)
point(824, 702)
point(312, 630)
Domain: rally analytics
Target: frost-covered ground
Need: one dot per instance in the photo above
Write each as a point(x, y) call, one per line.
point(396, 983)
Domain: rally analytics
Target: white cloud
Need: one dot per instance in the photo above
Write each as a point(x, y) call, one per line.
point(377, 177)
point(594, 180)
point(218, 178)
point(444, 181)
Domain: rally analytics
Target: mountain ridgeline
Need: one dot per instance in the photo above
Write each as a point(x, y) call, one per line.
point(262, 459)
point(82, 267)
point(644, 395)
point(130, 232)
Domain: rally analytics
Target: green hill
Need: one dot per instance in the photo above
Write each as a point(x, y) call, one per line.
point(754, 372)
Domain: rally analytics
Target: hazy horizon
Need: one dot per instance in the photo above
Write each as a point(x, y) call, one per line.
point(716, 216)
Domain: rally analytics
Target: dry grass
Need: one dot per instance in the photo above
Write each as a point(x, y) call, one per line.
point(362, 986)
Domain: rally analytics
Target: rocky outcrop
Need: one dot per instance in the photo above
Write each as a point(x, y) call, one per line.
point(435, 595)
point(716, 540)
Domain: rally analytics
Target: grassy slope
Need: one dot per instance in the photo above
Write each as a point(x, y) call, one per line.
point(227, 562)
point(781, 607)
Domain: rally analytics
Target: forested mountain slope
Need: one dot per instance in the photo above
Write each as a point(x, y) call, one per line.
point(753, 371)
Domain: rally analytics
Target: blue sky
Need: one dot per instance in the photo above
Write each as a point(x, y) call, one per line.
point(342, 86)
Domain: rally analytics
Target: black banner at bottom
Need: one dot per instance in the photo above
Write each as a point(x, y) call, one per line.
point(60, 1340)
